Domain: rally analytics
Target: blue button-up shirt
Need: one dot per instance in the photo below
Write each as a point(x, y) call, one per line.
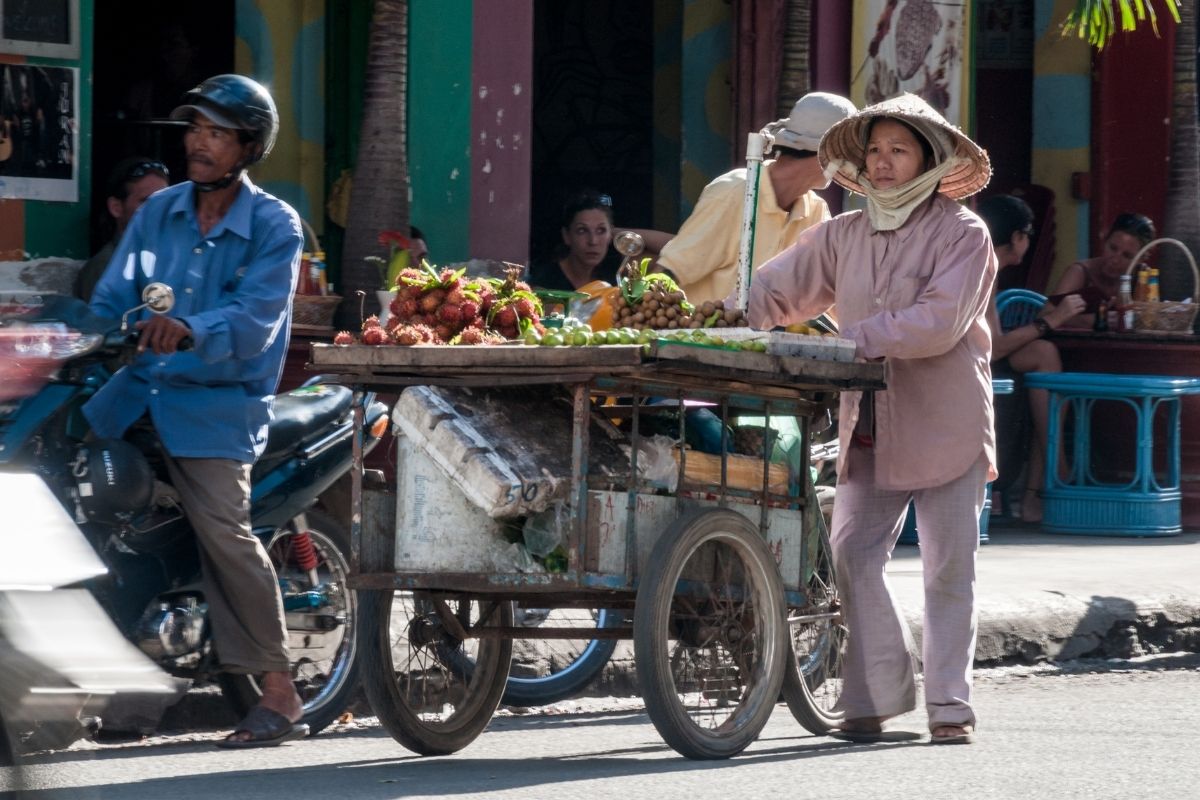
point(233, 287)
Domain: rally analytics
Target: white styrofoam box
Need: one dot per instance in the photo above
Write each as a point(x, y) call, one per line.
point(802, 345)
point(469, 460)
point(607, 513)
point(438, 529)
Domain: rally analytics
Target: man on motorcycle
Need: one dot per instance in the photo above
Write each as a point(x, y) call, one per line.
point(231, 252)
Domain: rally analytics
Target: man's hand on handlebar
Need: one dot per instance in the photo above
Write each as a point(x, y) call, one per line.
point(163, 335)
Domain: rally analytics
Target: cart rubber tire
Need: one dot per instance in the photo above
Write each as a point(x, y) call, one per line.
point(574, 676)
point(812, 682)
point(714, 551)
point(454, 704)
point(326, 687)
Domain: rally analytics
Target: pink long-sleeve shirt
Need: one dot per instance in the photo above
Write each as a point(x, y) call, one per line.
point(917, 297)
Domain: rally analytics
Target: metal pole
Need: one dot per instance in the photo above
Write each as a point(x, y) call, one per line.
point(755, 145)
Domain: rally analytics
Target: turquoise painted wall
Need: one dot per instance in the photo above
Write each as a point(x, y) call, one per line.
point(60, 230)
point(439, 124)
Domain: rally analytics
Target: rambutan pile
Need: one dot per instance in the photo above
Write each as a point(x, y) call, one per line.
point(442, 301)
point(435, 306)
point(515, 308)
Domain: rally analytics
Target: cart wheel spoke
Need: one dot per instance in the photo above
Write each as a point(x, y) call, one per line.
point(812, 683)
point(434, 691)
point(709, 634)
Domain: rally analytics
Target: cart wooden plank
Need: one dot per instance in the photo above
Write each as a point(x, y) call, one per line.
point(495, 358)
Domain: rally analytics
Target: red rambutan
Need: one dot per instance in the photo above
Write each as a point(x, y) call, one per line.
point(343, 337)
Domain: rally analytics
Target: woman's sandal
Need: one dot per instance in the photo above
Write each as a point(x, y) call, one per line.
point(952, 734)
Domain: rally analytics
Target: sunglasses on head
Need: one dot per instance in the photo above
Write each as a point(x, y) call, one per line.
point(144, 168)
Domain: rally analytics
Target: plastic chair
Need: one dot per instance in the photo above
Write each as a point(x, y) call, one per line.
point(1017, 307)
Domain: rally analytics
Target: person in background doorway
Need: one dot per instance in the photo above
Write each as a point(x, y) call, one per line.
point(1099, 279)
point(586, 253)
point(1024, 349)
point(131, 181)
point(703, 255)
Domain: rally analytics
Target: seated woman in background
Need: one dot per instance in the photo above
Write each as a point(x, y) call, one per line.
point(1098, 279)
point(586, 253)
point(1020, 350)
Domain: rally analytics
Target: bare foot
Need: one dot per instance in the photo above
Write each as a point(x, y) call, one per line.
point(1031, 506)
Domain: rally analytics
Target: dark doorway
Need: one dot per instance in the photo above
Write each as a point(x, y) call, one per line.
point(147, 54)
point(593, 94)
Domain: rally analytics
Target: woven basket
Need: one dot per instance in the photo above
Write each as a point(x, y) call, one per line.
point(1166, 316)
point(314, 309)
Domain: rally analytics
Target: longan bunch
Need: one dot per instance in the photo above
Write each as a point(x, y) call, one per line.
point(659, 309)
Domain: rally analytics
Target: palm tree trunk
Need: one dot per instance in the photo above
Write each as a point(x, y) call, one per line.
point(794, 78)
point(379, 194)
point(1182, 215)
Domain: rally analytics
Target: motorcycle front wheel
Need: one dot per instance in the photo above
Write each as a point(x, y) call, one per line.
point(321, 621)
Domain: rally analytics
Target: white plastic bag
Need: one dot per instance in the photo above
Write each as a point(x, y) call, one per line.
point(656, 461)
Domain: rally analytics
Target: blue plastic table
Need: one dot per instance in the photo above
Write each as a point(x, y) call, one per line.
point(1079, 502)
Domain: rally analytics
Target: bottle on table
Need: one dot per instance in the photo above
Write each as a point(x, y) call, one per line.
point(1141, 289)
point(1152, 294)
point(1101, 323)
point(1124, 307)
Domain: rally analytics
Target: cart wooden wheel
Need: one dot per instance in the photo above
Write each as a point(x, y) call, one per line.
point(433, 690)
point(812, 682)
point(709, 636)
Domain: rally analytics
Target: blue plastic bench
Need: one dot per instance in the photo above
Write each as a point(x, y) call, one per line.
point(1080, 503)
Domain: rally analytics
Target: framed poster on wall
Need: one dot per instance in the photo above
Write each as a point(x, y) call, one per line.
point(39, 132)
point(917, 46)
point(45, 28)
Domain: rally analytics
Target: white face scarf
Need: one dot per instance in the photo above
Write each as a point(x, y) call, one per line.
point(888, 209)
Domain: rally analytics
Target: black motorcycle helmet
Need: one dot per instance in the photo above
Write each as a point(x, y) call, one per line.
point(114, 480)
point(239, 103)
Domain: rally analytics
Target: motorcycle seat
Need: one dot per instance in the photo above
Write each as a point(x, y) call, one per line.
point(300, 413)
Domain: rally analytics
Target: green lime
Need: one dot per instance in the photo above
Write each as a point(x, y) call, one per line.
point(580, 337)
point(532, 337)
point(647, 336)
point(760, 346)
point(552, 340)
point(613, 335)
point(627, 337)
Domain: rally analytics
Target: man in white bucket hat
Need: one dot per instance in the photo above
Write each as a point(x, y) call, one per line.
point(911, 277)
point(703, 255)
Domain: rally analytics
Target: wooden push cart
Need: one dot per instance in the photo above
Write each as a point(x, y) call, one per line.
point(729, 589)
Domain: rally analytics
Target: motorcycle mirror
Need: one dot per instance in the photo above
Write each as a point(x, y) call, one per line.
point(158, 297)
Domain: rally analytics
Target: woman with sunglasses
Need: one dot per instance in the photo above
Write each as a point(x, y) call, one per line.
point(585, 253)
point(129, 184)
point(1098, 279)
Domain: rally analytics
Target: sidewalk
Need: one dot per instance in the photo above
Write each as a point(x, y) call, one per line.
point(1045, 596)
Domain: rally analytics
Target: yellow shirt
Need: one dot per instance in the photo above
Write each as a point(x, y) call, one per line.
point(703, 255)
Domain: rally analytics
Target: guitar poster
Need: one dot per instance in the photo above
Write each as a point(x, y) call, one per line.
point(39, 132)
point(917, 46)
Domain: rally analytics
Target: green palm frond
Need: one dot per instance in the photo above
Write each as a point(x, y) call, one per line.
point(1096, 20)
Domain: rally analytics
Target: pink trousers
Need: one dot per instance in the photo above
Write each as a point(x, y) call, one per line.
point(879, 663)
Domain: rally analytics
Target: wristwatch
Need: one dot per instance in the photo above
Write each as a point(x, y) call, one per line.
point(1042, 326)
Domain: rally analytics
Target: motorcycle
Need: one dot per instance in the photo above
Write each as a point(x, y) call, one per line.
point(119, 494)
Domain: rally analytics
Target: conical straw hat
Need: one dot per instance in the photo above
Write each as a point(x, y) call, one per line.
point(843, 148)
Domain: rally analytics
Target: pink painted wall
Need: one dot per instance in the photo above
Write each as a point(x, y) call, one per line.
point(501, 123)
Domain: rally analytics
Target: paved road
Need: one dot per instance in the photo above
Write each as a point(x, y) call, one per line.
point(1107, 730)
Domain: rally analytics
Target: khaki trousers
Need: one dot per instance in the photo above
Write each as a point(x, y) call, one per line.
point(240, 585)
point(879, 669)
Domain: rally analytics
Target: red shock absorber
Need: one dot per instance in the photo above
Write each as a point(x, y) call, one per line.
point(304, 552)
